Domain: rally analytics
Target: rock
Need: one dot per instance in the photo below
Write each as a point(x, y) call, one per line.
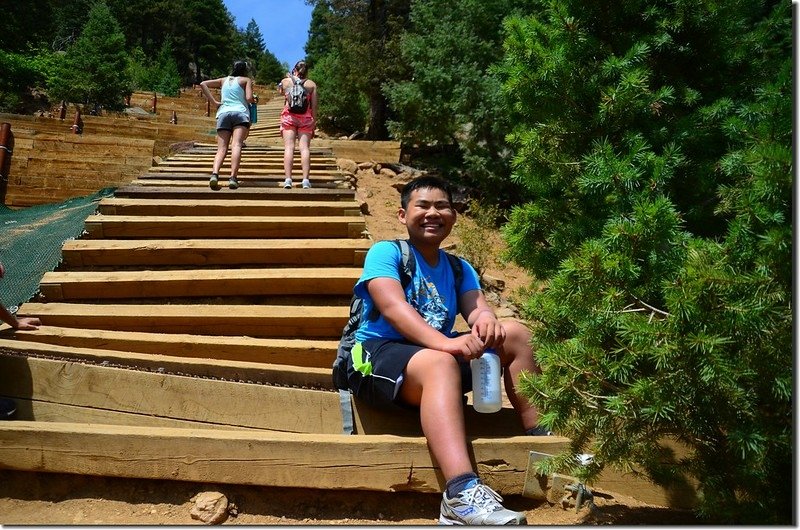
point(505, 312)
point(347, 165)
point(494, 283)
point(386, 172)
point(210, 507)
point(365, 165)
point(364, 207)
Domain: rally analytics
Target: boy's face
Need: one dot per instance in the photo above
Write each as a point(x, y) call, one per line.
point(429, 216)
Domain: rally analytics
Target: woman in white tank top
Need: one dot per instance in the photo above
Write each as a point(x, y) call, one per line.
point(233, 118)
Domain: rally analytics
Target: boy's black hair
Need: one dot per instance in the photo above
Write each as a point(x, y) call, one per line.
point(427, 182)
point(240, 69)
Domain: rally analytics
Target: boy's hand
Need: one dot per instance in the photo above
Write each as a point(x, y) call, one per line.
point(489, 330)
point(467, 346)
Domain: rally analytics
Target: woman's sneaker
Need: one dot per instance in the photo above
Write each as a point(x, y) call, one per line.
point(478, 504)
point(213, 183)
point(287, 184)
point(233, 183)
point(306, 184)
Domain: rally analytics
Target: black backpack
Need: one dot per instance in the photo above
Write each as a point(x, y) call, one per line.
point(408, 265)
point(297, 96)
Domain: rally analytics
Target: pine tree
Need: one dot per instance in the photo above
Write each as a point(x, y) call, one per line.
point(656, 142)
point(94, 70)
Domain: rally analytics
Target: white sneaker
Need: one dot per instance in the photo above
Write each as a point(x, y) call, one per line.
point(306, 184)
point(477, 505)
point(287, 184)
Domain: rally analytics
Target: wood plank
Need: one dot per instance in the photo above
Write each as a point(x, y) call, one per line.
point(168, 192)
point(164, 227)
point(125, 252)
point(326, 461)
point(219, 207)
point(41, 411)
point(81, 285)
point(217, 402)
point(274, 321)
point(304, 353)
point(260, 372)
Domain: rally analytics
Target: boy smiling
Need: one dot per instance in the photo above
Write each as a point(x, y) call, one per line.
point(409, 355)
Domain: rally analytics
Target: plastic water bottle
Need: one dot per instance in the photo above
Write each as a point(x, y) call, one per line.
point(486, 382)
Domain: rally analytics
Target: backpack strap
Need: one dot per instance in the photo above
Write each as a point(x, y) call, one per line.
point(458, 269)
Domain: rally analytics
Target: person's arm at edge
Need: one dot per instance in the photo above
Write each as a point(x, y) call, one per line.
point(25, 323)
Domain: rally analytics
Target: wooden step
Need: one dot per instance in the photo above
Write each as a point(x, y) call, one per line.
point(260, 179)
point(302, 353)
point(252, 193)
point(223, 403)
point(240, 227)
point(220, 207)
point(367, 420)
point(275, 321)
point(214, 252)
point(324, 461)
point(88, 285)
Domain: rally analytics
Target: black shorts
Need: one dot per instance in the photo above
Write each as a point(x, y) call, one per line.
point(383, 363)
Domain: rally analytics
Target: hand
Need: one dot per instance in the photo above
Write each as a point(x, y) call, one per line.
point(28, 323)
point(466, 346)
point(489, 330)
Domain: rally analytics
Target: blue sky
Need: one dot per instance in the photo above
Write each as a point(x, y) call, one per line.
point(283, 23)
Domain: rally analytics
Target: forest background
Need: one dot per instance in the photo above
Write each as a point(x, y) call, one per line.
point(637, 155)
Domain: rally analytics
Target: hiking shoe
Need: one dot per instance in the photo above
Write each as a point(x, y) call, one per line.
point(287, 184)
point(478, 504)
point(233, 183)
point(213, 183)
point(539, 431)
point(7, 408)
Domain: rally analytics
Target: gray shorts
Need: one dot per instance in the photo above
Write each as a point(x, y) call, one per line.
point(228, 120)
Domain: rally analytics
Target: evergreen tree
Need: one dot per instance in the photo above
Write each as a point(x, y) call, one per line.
point(253, 46)
point(319, 39)
point(453, 97)
point(94, 70)
point(655, 140)
point(364, 52)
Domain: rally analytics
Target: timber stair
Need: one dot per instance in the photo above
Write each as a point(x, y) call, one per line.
point(189, 335)
point(184, 310)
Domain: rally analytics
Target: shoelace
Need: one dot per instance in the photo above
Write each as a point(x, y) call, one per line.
point(483, 496)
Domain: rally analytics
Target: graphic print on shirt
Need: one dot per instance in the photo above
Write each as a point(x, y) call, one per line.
point(425, 298)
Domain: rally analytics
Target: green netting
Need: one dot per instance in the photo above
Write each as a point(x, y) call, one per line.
point(31, 241)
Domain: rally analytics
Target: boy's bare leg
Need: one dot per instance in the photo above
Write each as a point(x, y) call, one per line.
point(518, 357)
point(433, 382)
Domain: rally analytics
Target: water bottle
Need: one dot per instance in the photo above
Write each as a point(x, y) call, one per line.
point(486, 382)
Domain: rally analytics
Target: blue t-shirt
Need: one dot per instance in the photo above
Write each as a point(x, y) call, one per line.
point(432, 290)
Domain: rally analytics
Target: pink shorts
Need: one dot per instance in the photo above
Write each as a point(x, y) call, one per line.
point(302, 123)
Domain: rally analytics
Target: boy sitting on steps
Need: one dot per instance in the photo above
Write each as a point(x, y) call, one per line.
point(409, 356)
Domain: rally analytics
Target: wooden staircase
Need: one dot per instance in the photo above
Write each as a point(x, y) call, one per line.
point(189, 335)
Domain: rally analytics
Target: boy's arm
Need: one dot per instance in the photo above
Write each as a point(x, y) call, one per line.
point(481, 319)
point(390, 300)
